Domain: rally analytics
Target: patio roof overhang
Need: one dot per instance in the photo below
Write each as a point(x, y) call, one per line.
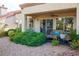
point(29, 5)
point(55, 13)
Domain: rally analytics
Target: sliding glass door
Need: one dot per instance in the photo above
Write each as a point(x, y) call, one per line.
point(62, 24)
point(47, 26)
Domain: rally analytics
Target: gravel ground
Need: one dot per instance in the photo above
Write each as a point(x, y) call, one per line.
point(8, 48)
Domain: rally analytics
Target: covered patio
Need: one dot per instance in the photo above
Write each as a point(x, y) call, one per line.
point(34, 16)
point(58, 20)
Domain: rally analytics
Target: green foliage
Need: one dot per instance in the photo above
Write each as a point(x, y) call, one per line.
point(74, 39)
point(55, 42)
point(37, 39)
point(17, 37)
point(74, 44)
point(29, 38)
point(73, 35)
point(11, 32)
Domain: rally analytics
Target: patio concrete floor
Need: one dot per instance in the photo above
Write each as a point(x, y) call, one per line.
point(8, 48)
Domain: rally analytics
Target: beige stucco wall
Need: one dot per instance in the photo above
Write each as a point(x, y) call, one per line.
point(3, 11)
point(18, 18)
point(28, 21)
point(10, 20)
point(49, 7)
point(2, 20)
point(74, 23)
point(37, 25)
point(24, 22)
point(54, 24)
point(77, 20)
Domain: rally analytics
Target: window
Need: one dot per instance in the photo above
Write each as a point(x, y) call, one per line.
point(68, 23)
point(65, 23)
point(59, 23)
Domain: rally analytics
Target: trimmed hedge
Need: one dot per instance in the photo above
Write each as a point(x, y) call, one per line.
point(29, 38)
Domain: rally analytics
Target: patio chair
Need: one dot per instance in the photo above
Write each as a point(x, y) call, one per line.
point(55, 34)
point(65, 39)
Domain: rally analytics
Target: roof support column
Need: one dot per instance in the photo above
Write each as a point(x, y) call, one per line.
point(37, 25)
point(77, 20)
point(23, 22)
point(54, 24)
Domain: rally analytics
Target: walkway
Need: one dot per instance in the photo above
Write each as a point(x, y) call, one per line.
point(8, 48)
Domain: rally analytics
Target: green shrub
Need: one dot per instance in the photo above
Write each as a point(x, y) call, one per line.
point(73, 35)
point(29, 38)
point(37, 39)
point(11, 33)
point(74, 39)
point(17, 37)
point(74, 44)
point(55, 42)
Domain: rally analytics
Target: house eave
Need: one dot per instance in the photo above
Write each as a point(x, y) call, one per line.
point(29, 5)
